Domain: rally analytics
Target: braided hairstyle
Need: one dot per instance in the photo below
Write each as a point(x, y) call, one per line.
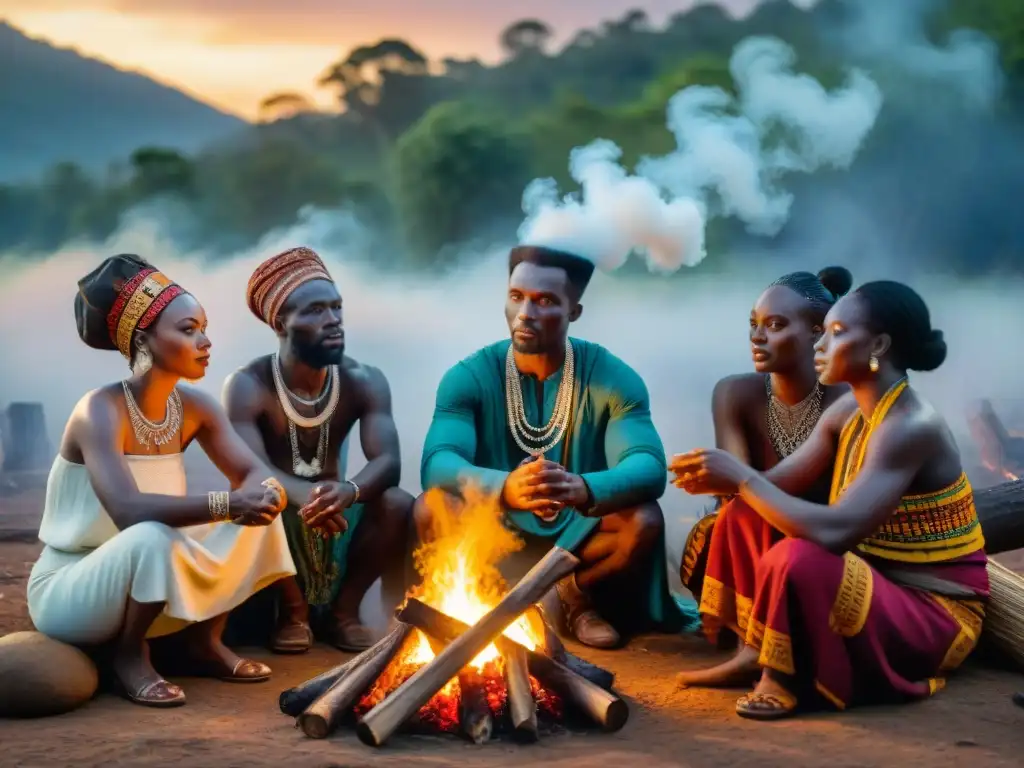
point(821, 290)
point(899, 311)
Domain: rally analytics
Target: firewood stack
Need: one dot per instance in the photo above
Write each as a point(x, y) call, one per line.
point(322, 703)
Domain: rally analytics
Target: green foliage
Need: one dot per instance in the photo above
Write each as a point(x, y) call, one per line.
point(453, 169)
point(442, 158)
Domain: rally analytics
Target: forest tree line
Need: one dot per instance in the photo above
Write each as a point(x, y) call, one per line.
point(437, 153)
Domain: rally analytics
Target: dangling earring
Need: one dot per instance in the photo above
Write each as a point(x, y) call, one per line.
point(873, 364)
point(143, 361)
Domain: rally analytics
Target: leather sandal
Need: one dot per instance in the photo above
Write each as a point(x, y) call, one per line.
point(349, 635)
point(292, 638)
point(247, 671)
point(158, 694)
point(766, 706)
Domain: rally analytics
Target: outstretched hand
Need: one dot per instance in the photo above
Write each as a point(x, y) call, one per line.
point(708, 471)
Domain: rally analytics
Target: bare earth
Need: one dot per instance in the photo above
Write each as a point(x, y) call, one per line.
point(971, 722)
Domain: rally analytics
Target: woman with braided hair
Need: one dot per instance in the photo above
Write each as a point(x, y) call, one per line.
point(762, 417)
point(878, 594)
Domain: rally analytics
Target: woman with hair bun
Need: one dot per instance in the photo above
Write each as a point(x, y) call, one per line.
point(762, 417)
point(880, 593)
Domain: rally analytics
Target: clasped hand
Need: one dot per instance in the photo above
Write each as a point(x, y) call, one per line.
point(324, 510)
point(708, 471)
point(543, 487)
point(257, 506)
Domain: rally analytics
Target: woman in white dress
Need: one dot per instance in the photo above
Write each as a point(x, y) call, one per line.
point(129, 554)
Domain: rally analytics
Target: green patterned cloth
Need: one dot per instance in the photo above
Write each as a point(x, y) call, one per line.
point(320, 563)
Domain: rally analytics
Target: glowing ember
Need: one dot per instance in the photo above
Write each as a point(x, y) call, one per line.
point(460, 578)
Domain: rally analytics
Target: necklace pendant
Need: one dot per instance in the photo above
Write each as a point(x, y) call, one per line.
point(307, 470)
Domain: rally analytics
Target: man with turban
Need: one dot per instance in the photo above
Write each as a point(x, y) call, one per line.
point(561, 430)
point(295, 408)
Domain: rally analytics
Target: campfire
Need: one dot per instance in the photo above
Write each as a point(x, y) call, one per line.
point(466, 655)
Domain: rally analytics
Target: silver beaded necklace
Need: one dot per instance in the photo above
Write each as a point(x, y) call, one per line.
point(789, 426)
point(154, 433)
point(539, 440)
point(300, 466)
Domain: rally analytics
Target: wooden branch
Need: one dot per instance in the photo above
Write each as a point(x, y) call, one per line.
point(602, 706)
point(1001, 512)
point(476, 722)
point(377, 726)
point(295, 700)
point(522, 709)
point(320, 719)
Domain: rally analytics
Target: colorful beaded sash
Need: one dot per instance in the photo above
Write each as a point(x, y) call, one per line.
point(925, 528)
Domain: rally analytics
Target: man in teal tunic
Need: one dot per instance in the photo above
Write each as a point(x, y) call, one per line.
point(562, 430)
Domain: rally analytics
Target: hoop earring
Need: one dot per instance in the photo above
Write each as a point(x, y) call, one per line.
point(873, 364)
point(143, 361)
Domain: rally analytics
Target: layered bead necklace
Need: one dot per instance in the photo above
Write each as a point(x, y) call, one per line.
point(149, 432)
point(538, 440)
point(300, 467)
point(789, 426)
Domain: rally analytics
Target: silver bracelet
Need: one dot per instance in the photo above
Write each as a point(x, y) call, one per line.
point(220, 505)
point(354, 488)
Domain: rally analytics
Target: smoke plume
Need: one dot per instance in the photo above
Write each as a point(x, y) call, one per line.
point(731, 158)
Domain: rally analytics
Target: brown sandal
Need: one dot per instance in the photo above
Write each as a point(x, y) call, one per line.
point(247, 671)
point(158, 694)
point(766, 706)
point(292, 638)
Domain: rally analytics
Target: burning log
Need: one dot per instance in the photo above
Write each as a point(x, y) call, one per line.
point(383, 720)
point(476, 720)
point(322, 716)
point(554, 648)
point(295, 700)
point(522, 709)
point(603, 707)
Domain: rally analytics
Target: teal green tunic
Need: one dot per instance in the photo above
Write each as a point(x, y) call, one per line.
point(611, 443)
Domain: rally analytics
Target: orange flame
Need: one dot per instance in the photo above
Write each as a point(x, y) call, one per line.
point(458, 566)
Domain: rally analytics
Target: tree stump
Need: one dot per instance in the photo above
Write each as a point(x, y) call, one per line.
point(26, 447)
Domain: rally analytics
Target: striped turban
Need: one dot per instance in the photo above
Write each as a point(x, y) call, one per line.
point(123, 294)
point(277, 278)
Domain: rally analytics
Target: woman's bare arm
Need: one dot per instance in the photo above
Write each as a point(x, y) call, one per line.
point(898, 450)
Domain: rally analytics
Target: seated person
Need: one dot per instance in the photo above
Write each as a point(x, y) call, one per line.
point(128, 554)
point(762, 417)
point(562, 430)
point(296, 409)
point(880, 593)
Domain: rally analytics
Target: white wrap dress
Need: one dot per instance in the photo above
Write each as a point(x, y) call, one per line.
point(79, 588)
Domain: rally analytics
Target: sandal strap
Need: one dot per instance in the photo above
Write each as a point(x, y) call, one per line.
point(777, 701)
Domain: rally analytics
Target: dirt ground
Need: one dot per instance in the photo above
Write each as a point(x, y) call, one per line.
point(971, 722)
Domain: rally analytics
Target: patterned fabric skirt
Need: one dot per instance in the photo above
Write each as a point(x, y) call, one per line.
point(834, 622)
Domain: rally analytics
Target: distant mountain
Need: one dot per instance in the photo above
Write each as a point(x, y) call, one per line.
point(56, 105)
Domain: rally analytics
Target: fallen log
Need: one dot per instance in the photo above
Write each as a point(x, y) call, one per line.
point(320, 719)
point(603, 707)
point(377, 726)
point(294, 701)
point(522, 709)
point(476, 721)
point(1001, 512)
point(554, 648)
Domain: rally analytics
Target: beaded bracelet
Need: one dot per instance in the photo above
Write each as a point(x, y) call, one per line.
point(220, 505)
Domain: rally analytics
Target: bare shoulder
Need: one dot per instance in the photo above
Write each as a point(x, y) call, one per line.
point(100, 405)
point(246, 389)
point(368, 379)
point(197, 402)
point(739, 389)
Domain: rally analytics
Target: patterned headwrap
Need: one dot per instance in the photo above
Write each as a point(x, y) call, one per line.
point(277, 278)
point(122, 294)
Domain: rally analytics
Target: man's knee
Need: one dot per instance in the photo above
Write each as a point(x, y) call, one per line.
point(422, 516)
point(642, 529)
point(396, 508)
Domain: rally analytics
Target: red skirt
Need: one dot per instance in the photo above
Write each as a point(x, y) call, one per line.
point(833, 622)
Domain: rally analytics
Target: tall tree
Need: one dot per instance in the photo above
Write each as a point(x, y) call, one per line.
point(527, 35)
point(283, 105)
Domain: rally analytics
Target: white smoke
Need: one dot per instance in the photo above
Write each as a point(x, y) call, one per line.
point(732, 154)
point(893, 34)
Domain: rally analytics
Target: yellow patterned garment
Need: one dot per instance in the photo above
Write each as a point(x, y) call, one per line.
point(924, 528)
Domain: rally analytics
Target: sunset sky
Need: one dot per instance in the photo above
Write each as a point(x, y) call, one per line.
point(232, 53)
